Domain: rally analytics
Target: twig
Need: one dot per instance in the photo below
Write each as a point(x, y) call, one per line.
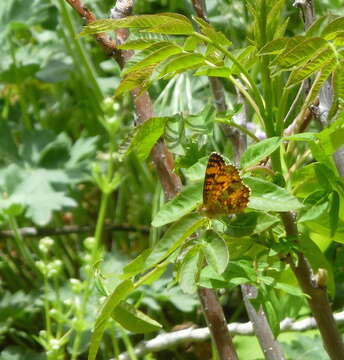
point(307, 10)
point(173, 339)
point(213, 312)
point(317, 295)
point(161, 156)
point(72, 229)
point(271, 348)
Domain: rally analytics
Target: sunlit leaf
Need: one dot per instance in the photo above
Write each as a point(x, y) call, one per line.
point(119, 294)
point(267, 196)
point(174, 237)
point(180, 205)
point(259, 151)
point(189, 270)
point(133, 319)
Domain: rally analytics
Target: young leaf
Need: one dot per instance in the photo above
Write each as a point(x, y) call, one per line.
point(300, 53)
point(174, 237)
point(138, 44)
point(320, 79)
point(218, 71)
point(334, 26)
point(306, 136)
point(273, 47)
point(180, 205)
point(312, 66)
point(272, 316)
point(133, 319)
point(180, 63)
point(314, 212)
point(259, 151)
point(146, 135)
point(289, 289)
point(177, 24)
point(155, 54)
point(267, 196)
point(120, 293)
point(189, 270)
point(216, 251)
point(136, 266)
point(136, 79)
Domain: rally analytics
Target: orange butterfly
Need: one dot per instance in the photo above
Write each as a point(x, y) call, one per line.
point(224, 191)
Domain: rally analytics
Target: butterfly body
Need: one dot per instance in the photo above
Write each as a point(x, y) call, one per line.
point(224, 191)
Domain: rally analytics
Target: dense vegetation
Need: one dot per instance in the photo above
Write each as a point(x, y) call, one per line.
point(103, 151)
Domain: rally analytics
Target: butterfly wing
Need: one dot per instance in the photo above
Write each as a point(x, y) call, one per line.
point(223, 191)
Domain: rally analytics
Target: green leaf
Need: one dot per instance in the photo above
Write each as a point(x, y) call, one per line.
point(317, 26)
point(196, 171)
point(216, 251)
point(334, 26)
point(241, 224)
point(189, 270)
point(272, 316)
point(313, 65)
point(146, 135)
point(153, 55)
point(289, 289)
point(133, 319)
point(119, 293)
point(250, 223)
point(313, 212)
point(306, 136)
point(174, 237)
point(180, 63)
point(173, 27)
point(136, 266)
point(217, 71)
point(320, 79)
point(334, 212)
point(216, 36)
point(136, 79)
point(267, 196)
point(182, 204)
point(170, 24)
point(242, 271)
point(138, 44)
point(273, 47)
point(259, 151)
point(300, 52)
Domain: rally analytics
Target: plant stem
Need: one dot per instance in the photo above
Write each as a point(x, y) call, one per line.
point(96, 246)
point(271, 348)
point(21, 246)
point(217, 324)
point(317, 296)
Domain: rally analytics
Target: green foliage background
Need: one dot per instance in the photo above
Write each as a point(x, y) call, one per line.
point(69, 157)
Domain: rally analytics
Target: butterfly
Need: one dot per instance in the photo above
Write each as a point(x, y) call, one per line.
point(224, 191)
